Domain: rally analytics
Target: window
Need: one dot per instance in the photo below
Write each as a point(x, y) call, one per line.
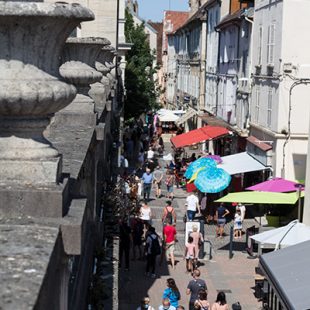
point(271, 44)
point(260, 42)
point(269, 110)
point(257, 104)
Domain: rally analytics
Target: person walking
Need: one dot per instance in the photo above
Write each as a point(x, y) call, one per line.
point(202, 303)
point(169, 236)
point(150, 154)
point(192, 206)
point(238, 224)
point(157, 177)
point(152, 250)
point(242, 210)
point(169, 214)
point(170, 183)
point(220, 303)
point(137, 234)
point(193, 288)
point(172, 293)
point(166, 305)
point(221, 213)
point(145, 304)
point(125, 242)
point(197, 240)
point(147, 179)
point(145, 214)
point(189, 254)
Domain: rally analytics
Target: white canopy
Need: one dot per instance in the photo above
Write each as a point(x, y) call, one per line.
point(168, 157)
point(168, 117)
point(177, 112)
point(291, 234)
point(240, 163)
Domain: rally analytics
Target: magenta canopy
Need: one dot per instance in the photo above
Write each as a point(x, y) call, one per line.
point(276, 185)
point(217, 158)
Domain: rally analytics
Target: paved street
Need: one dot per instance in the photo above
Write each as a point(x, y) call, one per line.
point(234, 276)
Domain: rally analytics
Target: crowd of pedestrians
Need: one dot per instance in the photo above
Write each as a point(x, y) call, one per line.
point(139, 238)
point(198, 296)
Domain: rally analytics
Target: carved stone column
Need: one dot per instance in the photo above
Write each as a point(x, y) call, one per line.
point(100, 90)
point(79, 58)
point(32, 35)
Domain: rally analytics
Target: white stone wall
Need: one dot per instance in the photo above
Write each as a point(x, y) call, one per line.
point(105, 23)
point(279, 39)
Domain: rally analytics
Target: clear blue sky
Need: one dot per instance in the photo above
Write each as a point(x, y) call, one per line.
point(154, 9)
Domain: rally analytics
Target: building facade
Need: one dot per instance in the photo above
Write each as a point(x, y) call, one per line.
point(278, 105)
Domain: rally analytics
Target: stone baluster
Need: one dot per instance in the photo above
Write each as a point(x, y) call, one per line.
point(100, 90)
point(32, 36)
point(79, 58)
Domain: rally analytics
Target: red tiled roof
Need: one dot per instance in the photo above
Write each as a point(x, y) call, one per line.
point(177, 18)
point(198, 135)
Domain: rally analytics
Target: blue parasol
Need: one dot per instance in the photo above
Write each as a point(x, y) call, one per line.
point(202, 162)
point(212, 180)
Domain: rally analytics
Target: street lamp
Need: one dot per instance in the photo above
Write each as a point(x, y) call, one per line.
point(299, 188)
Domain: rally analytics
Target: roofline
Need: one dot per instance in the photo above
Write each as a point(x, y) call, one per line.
point(143, 21)
point(196, 15)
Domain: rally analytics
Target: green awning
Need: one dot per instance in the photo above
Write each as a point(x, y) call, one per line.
point(261, 198)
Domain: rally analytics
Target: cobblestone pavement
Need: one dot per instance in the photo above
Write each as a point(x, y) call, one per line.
point(233, 276)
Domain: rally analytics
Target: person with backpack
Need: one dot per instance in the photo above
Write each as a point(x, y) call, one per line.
point(170, 183)
point(194, 287)
point(172, 293)
point(202, 303)
point(169, 215)
point(153, 249)
point(169, 236)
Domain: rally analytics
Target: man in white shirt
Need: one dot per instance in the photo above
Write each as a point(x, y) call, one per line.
point(192, 204)
point(150, 154)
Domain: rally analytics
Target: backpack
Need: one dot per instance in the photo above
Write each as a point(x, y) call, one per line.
point(236, 306)
point(168, 218)
point(155, 246)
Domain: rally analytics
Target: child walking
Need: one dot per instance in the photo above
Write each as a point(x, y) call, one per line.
point(190, 254)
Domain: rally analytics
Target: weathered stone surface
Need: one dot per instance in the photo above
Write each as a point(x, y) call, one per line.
point(100, 131)
point(39, 201)
point(73, 228)
point(25, 252)
point(73, 143)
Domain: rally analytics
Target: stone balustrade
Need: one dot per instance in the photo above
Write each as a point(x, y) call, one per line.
point(31, 89)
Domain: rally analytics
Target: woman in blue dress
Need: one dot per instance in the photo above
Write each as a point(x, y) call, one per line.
point(172, 293)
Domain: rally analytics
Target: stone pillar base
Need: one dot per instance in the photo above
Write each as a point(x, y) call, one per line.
point(48, 201)
point(34, 172)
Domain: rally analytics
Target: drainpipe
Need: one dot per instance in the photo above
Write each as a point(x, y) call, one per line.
point(203, 55)
point(217, 69)
point(251, 62)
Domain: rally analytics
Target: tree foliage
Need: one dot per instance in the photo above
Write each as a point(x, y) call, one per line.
point(140, 85)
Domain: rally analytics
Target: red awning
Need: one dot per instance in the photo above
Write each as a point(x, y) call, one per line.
point(198, 135)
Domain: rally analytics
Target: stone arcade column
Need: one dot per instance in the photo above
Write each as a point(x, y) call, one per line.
point(32, 36)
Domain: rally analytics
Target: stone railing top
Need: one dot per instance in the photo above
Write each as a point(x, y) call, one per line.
point(39, 9)
point(89, 40)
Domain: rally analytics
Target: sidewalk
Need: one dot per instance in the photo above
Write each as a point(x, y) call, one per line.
point(233, 276)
